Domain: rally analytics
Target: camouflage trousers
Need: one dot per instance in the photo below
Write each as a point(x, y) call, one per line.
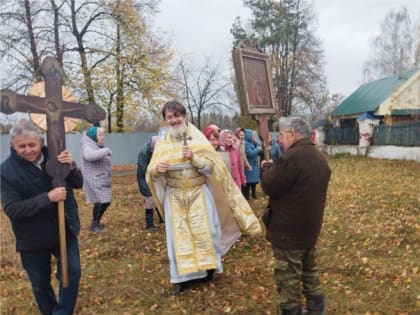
point(295, 272)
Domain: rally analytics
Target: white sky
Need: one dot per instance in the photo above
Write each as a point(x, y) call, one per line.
point(346, 27)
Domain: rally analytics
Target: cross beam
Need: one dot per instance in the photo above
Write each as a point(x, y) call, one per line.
point(55, 108)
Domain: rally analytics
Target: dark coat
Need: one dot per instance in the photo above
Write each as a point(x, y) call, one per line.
point(143, 160)
point(24, 196)
point(297, 186)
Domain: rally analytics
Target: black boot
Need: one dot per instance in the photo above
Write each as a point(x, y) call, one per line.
point(180, 287)
point(149, 220)
point(293, 311)
point(102, 210)
point(206, 279)
point(209, 276)
point(315, 305)
point(253, 190)
point(245, 191)
point(94, 227)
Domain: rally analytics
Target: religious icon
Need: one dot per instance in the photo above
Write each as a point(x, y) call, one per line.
point(253, 73)
point(256, 83)
point(7, 102)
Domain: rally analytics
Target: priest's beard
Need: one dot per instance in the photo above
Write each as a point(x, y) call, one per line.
point(178, 131)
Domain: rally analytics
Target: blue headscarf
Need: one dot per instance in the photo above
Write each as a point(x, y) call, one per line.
point(91, 133)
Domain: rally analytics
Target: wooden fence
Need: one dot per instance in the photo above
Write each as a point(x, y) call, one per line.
point(404, 134)
point(407, 135)
point(343, 135)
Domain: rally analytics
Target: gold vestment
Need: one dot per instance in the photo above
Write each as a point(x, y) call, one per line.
point(191, 231)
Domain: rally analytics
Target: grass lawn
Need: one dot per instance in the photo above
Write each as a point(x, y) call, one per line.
point(368, 254)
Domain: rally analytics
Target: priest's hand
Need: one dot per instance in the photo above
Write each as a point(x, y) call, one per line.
point(187, 152)
point(162, 167)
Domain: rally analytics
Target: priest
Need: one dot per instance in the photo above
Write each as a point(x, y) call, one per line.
point(205, 212)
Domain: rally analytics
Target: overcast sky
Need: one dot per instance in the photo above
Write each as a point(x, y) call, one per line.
point(346, 27)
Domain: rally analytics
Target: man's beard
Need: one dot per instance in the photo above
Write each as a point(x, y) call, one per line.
point(178, 131)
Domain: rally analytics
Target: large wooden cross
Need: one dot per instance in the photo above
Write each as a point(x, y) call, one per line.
point(55, 108)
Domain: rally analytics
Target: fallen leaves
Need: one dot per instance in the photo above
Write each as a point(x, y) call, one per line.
point(368, 253)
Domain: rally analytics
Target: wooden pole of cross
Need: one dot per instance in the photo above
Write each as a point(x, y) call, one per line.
point(254, 86)
point(55, 109)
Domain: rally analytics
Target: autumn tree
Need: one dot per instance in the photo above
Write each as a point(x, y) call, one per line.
point(86, 21)
point(22, 44)
point(204, 89)
point(393, 50)
point(108, 50)
point(284, 30)
point(36, 29)
point(141, 62)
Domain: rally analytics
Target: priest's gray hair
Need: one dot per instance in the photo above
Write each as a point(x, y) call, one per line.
point(297, 124)
point(25, 127)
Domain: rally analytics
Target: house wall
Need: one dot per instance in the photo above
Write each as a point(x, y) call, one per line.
point(406, 97)
point(387, 152)
point(124, 146)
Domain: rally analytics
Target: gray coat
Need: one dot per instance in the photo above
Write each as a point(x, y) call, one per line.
point(96, 169)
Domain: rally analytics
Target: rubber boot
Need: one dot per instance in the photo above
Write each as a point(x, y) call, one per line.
point(180, 287)
point(102, 210)
point(253, 191)
point(149, 220)
point(94, 227)
point(206, 279)
point(209, 276)
point(315, 305)
point(245, 191)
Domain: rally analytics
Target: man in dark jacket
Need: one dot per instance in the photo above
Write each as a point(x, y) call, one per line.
point(29, 200)
point(297, 186)
point(144, 157)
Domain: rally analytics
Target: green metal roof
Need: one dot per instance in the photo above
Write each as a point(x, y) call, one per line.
point(369, 96)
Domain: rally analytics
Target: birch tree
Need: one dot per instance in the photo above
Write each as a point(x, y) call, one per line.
point(393, 50)
point(204, 89)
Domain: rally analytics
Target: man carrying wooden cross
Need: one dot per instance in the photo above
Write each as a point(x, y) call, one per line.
point(29, 200)
point(37, 190)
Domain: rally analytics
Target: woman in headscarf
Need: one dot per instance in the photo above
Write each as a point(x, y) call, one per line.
point(226, 141)
point(252, 149)
point(212, 134)
point(240, 144)
point(97, 173)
